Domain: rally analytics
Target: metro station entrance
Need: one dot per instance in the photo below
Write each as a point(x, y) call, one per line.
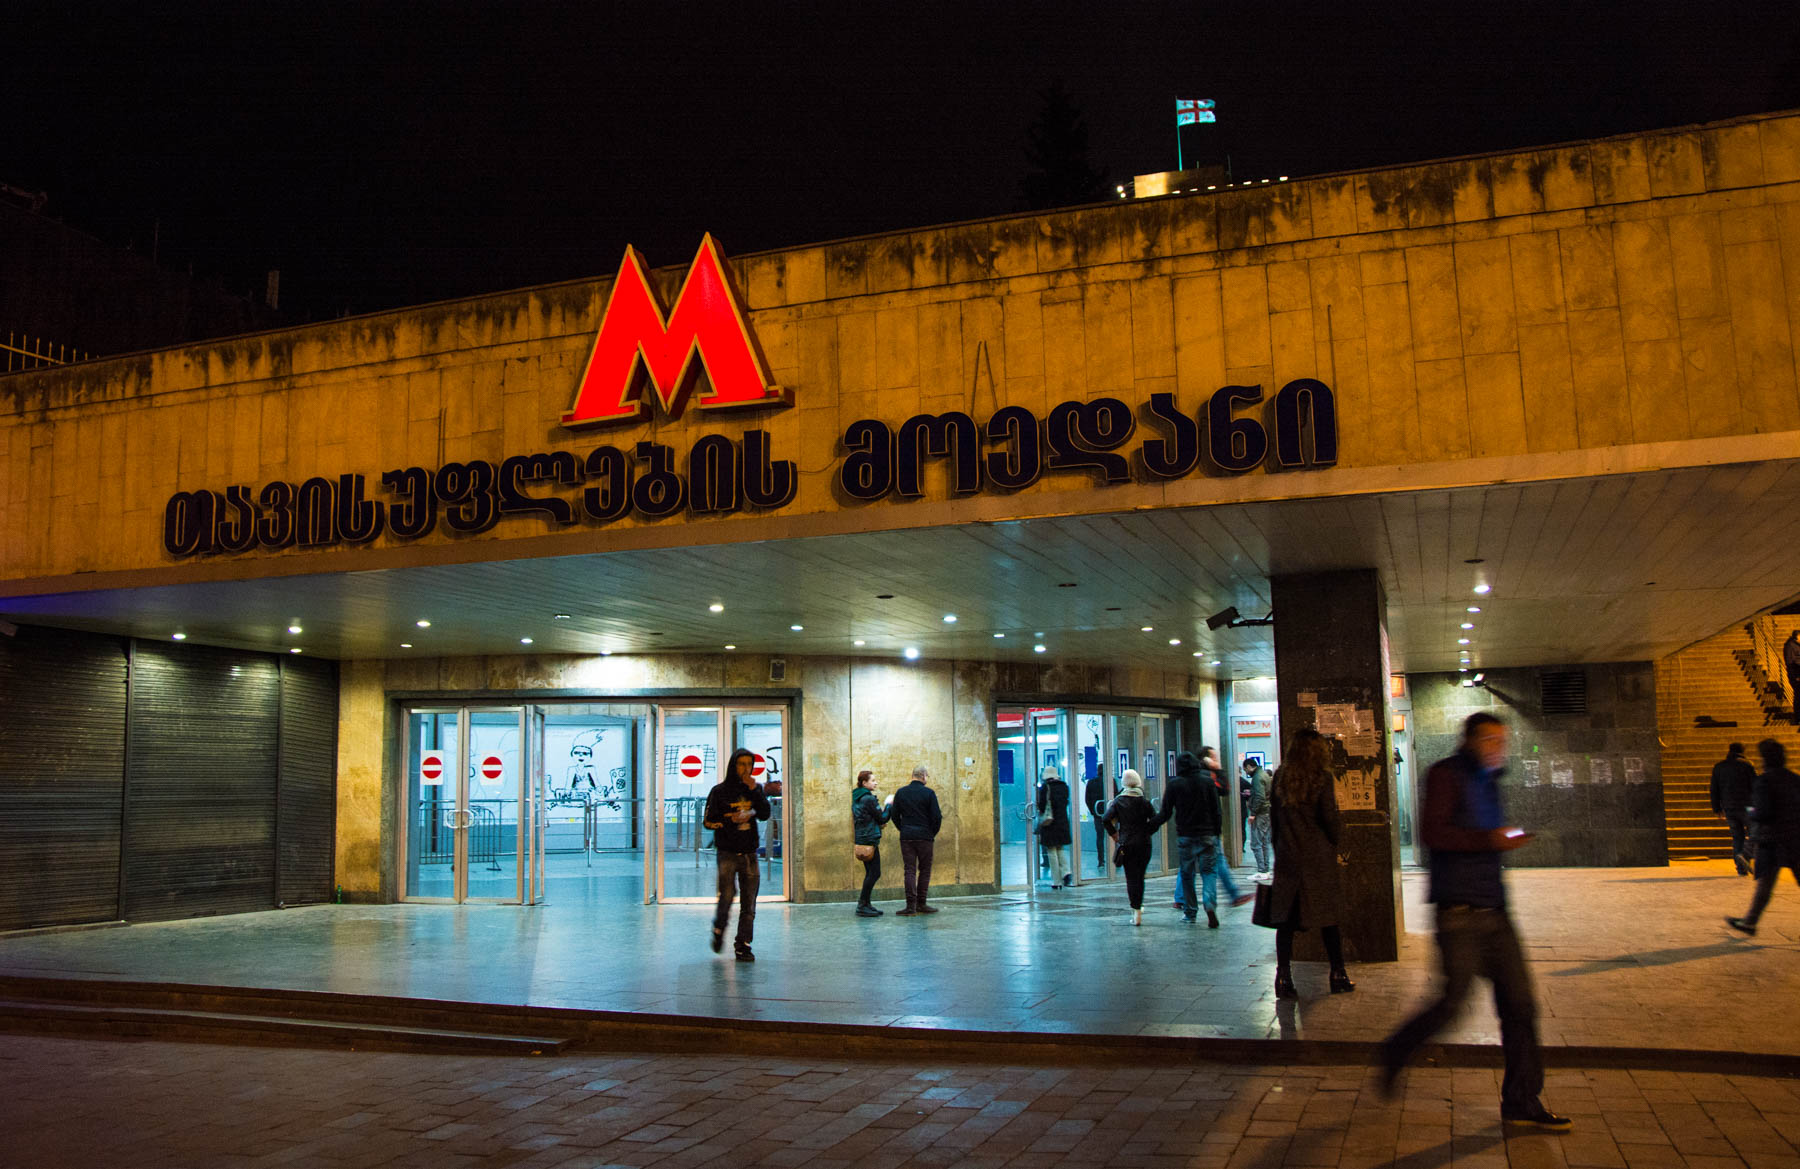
point(1090, 750)
point(520, 804)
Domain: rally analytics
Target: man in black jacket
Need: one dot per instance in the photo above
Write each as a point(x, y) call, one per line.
point(1776, 812)
point(916, 813)
point(1465, 828)
point(1731, 780)
point(1192, 801)
point(733, 807)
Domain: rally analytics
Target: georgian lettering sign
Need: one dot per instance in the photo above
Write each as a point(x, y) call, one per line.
point(639, 343)
point(639, 346)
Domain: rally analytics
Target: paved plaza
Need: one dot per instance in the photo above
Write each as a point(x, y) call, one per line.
point(71, 1102)
point(1623, 959)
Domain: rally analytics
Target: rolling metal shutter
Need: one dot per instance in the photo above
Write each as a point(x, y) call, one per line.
point(306, 819)
point(62, 772)
point(200, 806)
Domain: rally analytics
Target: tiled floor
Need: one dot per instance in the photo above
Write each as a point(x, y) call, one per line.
point(1622, 957)
point(85, 1103)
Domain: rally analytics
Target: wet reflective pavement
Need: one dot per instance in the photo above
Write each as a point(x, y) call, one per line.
point(1622, 958)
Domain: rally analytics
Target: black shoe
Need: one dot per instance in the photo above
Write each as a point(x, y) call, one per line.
point(1284, 985)
point(867, 911)
point(718, 939)
point(1534, 1115)
point(1340, 982)
point(907, 912)
point(924, 908)
point(742, 952)
point(1212, 920)
point(1741, 926)
point(1068, 880)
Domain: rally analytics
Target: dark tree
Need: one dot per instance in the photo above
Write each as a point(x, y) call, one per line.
point(1057, 155)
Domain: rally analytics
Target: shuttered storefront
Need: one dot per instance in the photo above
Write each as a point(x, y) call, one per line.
point(151, 781)
point(62, 773)
point(306, 813)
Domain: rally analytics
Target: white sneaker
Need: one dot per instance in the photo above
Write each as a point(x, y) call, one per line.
point(1137, 917)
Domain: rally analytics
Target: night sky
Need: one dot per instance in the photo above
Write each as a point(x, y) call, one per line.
point(384, 155)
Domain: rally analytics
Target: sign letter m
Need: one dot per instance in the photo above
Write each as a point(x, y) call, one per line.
point(639, 342)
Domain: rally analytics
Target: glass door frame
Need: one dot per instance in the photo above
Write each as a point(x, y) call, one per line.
point(528, 832)
point(654, 821)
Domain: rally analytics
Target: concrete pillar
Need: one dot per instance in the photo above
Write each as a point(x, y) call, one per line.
point(1331, 673)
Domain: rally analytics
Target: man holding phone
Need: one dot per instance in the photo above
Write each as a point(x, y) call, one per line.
point(1465, 828)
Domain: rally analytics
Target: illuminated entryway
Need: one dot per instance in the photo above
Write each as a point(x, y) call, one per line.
point(1090, 749)
point(578, 801)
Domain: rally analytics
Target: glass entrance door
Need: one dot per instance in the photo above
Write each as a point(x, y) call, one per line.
point(474, 797)
point(693, 745)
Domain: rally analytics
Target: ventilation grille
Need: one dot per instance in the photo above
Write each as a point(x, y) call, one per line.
point(1563, 692)
point(1253, 690)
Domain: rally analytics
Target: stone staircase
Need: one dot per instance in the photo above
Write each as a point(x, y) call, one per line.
point(1709, 696)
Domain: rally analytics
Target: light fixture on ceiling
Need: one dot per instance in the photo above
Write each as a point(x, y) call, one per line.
point(859, 641)
point(1196, 653)
point(177, 637)
point(1174, 641)
point(1468, 625)
point(1483, 590)
point(422, 623)
point(949, 618)
point(1480, 678)
point(406, 645)
point(295, 629)
point(1039, 648)
point(910, 653)
point(715, 607)
point(1215, 662)
point(1146, 628)
point(731, 647)
point(999, 635)
point(559, 617)
point(796, 628)
point(524, 641)
point(606, 653)
point(294, 650)
point(1462, 641)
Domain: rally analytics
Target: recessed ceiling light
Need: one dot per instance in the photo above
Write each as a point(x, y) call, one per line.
point(1468, 625)
point(406, 645)
point(1462, 641)
point(1038, 649)
point(731, 647)
point(178, 637)
point(422, 623)
point(796, 628)
point(1483, 590)
point(294, 650)
point(295, 629)
point(1174, 641)
point(715, 607)
point(949, 618)
point(1474, 608)
point(911, 652)
point(1039, 633)
point(859, 641)
point(559, 616)
point(1145, 628)
point(1196, 653)
point(606, 653)
point(1214, 662)
point(999, 635)
point(524, 641)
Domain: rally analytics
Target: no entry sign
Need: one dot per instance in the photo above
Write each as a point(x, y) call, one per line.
point(431, 768)
point(690, 766)
point(757, 765)
point(491, 767)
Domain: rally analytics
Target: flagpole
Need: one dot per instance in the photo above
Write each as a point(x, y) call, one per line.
point(1178, 165)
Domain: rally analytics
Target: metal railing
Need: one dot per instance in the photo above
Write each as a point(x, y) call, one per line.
point(22, 352)
point(1766, 645)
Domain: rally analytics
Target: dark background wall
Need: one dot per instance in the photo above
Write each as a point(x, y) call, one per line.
point(1597, 816)
point(148, 780)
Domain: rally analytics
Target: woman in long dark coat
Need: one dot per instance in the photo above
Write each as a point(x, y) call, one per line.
point(1131, 820)
point(1307, 892)
point(1053, 825)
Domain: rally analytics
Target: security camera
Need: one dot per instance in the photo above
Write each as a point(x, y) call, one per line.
point(1223, 618)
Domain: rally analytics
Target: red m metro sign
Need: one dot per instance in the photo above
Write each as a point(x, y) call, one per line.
point(639, 342)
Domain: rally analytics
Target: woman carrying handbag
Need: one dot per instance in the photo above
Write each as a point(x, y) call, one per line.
point(1130, 821)
point(867, 815)
point(1307, 892)
point(1053, 825)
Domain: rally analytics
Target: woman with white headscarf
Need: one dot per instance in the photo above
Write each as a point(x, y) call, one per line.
point(1130, 820)
point(1053, 829)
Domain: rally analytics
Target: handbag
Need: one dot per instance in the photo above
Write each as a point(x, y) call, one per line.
point(1262, 912)
point(864, 852)
point(1119, 857)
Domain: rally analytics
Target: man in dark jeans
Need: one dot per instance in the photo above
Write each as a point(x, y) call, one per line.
point(733, 807)
point(916, 813)
point(1465, 828)
point(1776, 800)
point(1732, 777)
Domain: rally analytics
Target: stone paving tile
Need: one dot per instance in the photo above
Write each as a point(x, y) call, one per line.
point(75, 1102)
